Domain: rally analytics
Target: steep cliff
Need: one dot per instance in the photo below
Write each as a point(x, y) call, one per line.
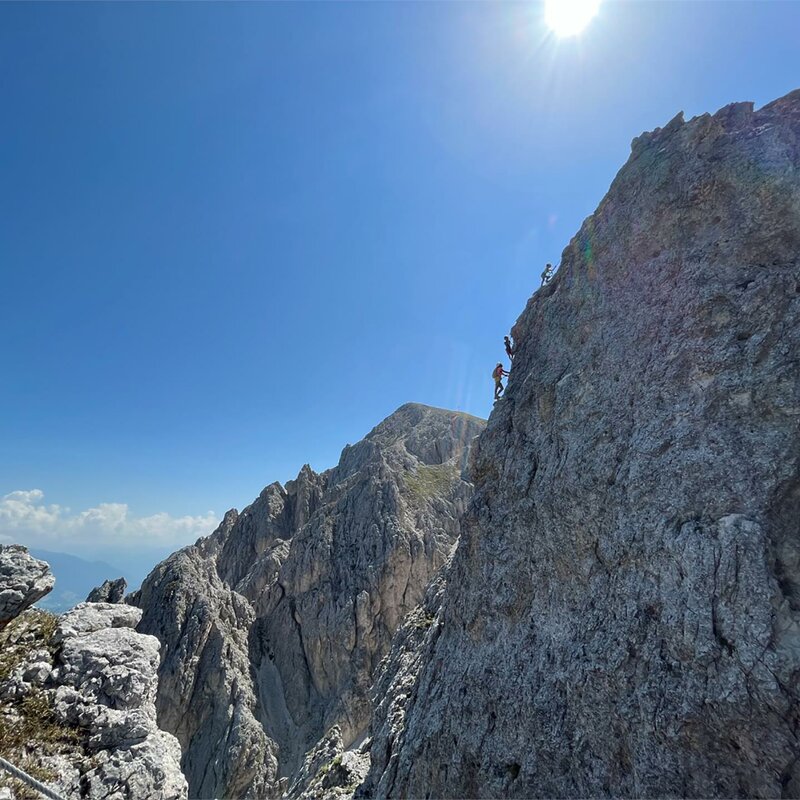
point(622, 614)
point(274, 626)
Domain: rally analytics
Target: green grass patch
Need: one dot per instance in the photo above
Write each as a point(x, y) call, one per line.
point(430, 480)
point(34, 724)
point(423, 620)
point(29, 727)
point(36, 770)
point(31, 630)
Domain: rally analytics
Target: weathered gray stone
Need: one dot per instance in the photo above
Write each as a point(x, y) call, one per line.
point(622, 614)
point(273, 627)
point(106, 675)
point(145, 769)
point(108, 592)
point(87, 618)
point(23, 581)
point(83, 692)
point(395, 689)
point(205, 695)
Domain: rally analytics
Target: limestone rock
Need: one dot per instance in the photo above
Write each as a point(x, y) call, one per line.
point(622, 614)
point(23, 581)
point(147, 768)
point(106, 676)
point(77, 704)
point(329, 771)
point(87, 618)
point(206, 696)
point(273, 627)
point(108, 592)
point(395, 689)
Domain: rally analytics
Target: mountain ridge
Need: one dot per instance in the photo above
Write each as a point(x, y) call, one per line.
point(274, 625)
point(628, 567)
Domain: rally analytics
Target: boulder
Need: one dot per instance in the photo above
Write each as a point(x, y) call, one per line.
point(23, 581)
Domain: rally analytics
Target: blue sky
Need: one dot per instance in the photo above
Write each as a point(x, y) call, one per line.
point(236, 236)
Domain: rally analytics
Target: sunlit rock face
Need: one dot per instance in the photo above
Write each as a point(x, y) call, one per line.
point(622, 616)
point(273, 627)
point(77, 696)
point(23, 581)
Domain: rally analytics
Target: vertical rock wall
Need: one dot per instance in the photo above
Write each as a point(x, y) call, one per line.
point(622, 616)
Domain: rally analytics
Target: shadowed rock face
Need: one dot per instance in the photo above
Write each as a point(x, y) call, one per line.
point(273, 627)
point(622, 615)
point(109, 592)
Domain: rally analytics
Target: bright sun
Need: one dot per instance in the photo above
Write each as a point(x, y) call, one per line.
point(569, 17)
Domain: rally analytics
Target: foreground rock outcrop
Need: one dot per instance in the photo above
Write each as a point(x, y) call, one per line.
point(273, 627)
point(24, 580)
point(77, 700)
point(622, 615)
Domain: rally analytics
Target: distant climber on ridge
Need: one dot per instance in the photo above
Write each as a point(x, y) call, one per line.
point(547, 274)
point(510, 348)
point(498, 374)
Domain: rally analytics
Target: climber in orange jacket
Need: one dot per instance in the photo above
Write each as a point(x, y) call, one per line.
point(498, 374)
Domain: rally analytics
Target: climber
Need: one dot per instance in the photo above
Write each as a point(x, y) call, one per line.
point(498, 374)
point(547, 274)
point(510, 349)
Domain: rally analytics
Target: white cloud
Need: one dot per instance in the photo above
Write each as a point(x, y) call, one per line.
point(25, 518)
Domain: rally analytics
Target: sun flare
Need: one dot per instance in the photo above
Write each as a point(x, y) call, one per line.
point(569, 17)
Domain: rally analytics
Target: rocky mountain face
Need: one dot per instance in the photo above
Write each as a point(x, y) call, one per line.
point(274, 626)
point(622, 613)
point(77, 696)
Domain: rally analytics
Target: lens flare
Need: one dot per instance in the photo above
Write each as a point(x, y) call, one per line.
point(569, 17)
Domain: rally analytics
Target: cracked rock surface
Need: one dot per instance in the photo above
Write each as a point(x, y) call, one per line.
point(23, 581)
point(622, 614)
point(77, 706)
point(273, 627)
point(105, 685)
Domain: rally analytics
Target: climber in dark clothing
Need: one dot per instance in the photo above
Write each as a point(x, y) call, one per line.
point(510, 349)
point(547, 274)
point(497, 373)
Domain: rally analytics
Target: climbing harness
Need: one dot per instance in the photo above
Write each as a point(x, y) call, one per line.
point(17, 773)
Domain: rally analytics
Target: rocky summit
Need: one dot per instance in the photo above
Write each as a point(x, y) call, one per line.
point(274, 627)
point(622, 614)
